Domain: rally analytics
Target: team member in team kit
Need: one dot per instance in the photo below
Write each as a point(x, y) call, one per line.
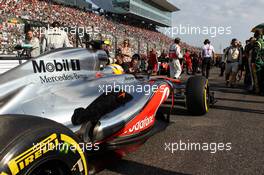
point(208, 54)
point(55, 38)
point(175, 55)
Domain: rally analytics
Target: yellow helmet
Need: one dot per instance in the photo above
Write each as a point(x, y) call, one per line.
point(117, 69)
point(107, 42)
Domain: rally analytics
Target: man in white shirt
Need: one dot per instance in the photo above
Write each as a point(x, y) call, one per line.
point(175, 55)
point(233, 59)
point(208, 54)
point(34, 42)
point(55, 38)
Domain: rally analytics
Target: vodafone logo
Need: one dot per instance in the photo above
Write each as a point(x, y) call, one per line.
point(140, 125)
point(146, 118)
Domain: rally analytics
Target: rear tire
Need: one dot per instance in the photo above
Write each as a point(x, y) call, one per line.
point(197, 95)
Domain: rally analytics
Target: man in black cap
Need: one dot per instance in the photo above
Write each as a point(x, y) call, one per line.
point(208, 54)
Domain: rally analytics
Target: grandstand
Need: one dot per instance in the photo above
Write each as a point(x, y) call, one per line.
point(154, 12)
point(82, 4)
point(135, 20)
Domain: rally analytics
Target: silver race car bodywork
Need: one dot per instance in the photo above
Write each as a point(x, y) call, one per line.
point(54, 85)
point(72, 97)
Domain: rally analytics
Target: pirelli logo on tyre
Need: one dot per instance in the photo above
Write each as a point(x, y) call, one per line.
point(26, 158)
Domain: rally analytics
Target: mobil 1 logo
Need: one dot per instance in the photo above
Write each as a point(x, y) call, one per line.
point(42, 66)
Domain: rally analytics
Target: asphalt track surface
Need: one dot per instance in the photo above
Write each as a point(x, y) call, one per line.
point(237, 118)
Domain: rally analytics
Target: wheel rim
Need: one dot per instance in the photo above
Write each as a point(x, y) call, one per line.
point(49, 168)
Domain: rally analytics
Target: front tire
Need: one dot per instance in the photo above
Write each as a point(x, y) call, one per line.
point(39, 146)
point(51, 168)
point(197, 95)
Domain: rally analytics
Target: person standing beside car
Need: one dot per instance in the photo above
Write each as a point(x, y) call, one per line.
point(208, 54)
point(233, 60)
point(34, 43)
point(248, 80)
point(55, 38)
point(126, 55)
point(223, 63)
point(174, 56)
point(153, 61)
point(258, 62)
point(195, 62)
point(188, 61)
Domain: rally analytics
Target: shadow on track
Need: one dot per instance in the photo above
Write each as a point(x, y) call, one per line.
point(178, 111)
point(236, 109)
point(222, 88)
point(128, 167)
point(239, 100)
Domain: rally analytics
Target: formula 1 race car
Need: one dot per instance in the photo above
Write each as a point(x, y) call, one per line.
point(58, 108)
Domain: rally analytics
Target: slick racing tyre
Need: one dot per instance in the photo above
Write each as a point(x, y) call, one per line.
point(36, 146)
point(197, 95)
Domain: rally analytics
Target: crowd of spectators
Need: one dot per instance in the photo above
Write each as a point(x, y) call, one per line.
point(47, 12)
point(136, 47)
